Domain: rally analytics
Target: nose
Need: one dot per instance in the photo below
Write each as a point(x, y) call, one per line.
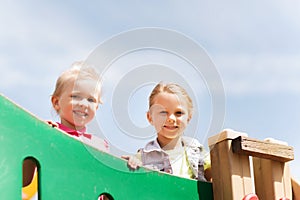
point(171, 118)
point(83, 102)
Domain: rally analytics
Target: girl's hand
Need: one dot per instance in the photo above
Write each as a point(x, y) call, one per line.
point(24, 196)
point(133, 162)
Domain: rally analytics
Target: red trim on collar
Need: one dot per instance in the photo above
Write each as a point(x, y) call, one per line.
point(73, 132)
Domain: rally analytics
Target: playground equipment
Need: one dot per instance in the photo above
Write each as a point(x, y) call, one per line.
point(70, 169)
point(231, 167)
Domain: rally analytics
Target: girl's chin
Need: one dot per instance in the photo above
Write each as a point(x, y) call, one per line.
point(80, 124)
point(170, 136)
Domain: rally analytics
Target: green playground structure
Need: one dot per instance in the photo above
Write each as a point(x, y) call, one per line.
point(69, 169)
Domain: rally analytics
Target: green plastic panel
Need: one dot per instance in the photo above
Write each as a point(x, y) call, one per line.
point(71, 170)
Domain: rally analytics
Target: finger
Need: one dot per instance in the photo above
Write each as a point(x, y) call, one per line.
point(126, 157)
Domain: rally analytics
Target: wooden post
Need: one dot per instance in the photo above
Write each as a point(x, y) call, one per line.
point(271, 170)
point(230, 172)
point(231, 175)
point(272, 179)
point(295, 189)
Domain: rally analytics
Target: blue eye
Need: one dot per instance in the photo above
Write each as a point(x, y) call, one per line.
point(163, 112)
point(179, 113)
point(92, 100)
point(73, 96)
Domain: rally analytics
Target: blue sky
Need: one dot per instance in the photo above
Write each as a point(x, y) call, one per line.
point(254, 46)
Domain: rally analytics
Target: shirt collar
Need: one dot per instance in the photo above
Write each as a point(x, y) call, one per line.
point(73, 132)
point(152, 146)
point(67, 129)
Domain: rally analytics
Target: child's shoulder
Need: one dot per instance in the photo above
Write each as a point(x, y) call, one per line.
point(99, 143)
point(151, 146)
point(191, 142)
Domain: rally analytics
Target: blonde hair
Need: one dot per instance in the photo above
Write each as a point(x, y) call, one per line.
point(78, 71)
point(171, 88)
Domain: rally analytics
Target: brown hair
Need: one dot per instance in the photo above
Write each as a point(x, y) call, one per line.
point(171, 88)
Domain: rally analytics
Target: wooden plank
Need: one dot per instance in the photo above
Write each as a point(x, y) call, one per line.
point(272, 179)
point(226, 134)
point(262, 149)
point(296, 189)
point(230, 172)
point(216, 170)
point(287, 183)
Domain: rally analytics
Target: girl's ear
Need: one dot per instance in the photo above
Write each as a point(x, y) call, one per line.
point(149, 117)
point(189, 118)
point(55, 103)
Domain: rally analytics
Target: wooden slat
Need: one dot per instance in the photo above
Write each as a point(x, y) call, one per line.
point(296, 189)
point(230, 172)
point(262, 149)
point(272, 179)
point(226, 134)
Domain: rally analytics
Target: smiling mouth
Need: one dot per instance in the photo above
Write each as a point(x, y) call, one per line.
point(171, 127)
point(80, 113)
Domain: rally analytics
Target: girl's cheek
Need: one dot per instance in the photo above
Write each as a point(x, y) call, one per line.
point(74, 102)
point(159, 121)
point(95, 106)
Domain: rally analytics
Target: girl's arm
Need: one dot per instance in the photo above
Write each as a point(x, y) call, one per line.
point(98, 143)
point(207, 174)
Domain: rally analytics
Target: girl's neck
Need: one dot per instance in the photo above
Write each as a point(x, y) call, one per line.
point(169, 144)
point(71, 126)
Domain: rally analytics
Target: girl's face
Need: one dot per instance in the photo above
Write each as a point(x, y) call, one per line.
point(77, 104)
point(169, 115)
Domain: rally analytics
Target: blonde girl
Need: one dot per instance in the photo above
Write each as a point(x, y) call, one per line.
point(170, 111)
point(75, 99)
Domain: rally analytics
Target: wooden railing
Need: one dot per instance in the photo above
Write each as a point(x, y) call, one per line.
point(233, 174)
